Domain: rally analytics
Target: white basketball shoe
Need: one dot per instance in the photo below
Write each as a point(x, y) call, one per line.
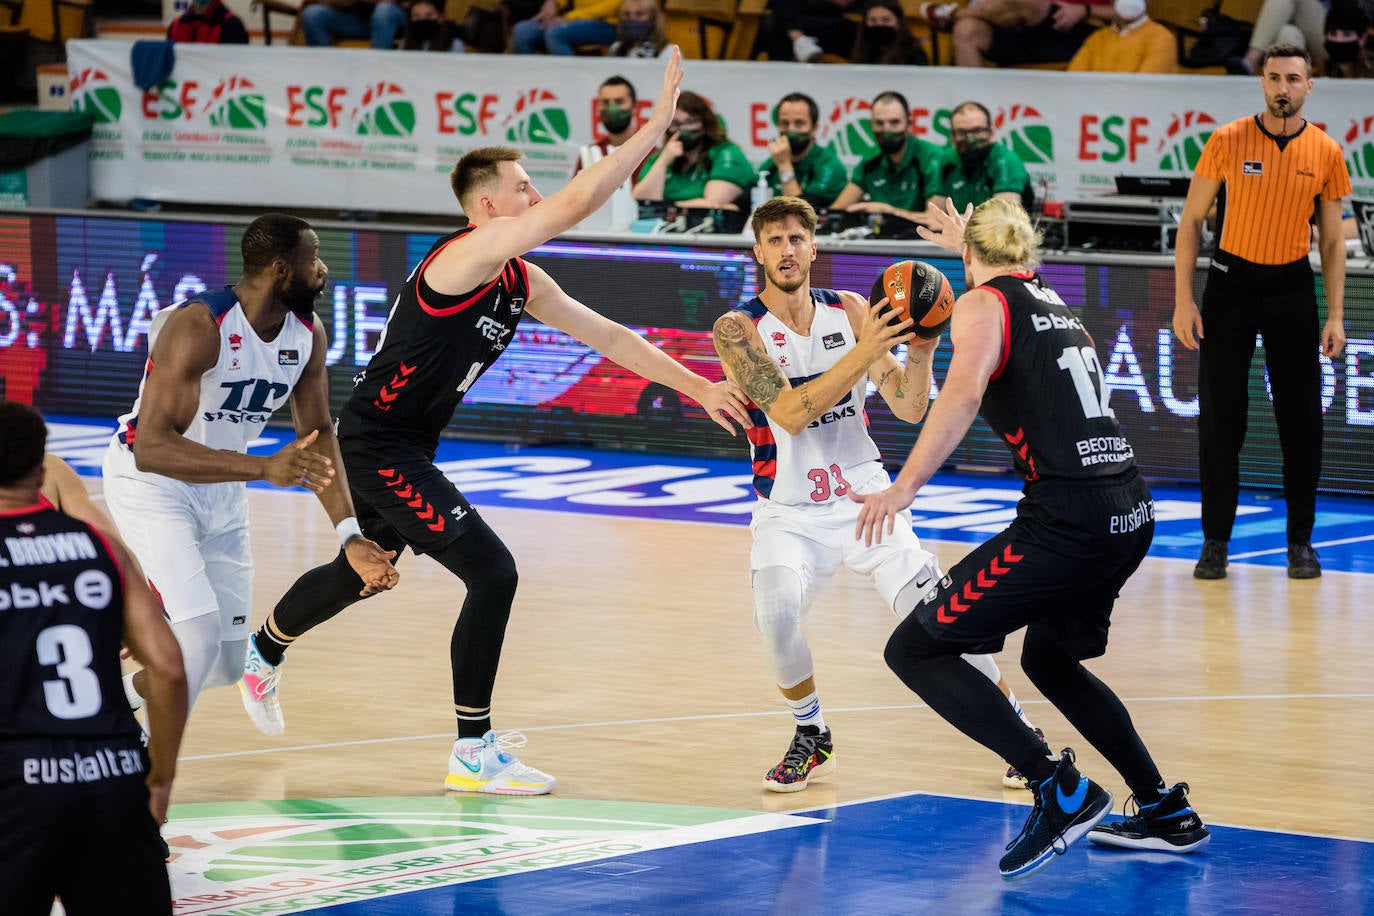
point(483, 765)
point(258, 687)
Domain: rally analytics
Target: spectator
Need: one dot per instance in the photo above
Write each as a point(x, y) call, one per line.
point(588, 22)
point(1012, 32)
point(1289, 22)
point(208, 22)
point(641, 31)
point(1347, 39)
point(380, 22)
point(616, 102)
point(697, 166)
point(903, 177)
point(428, 30)
point(981, 169)
point(798, 166)
point(790, 30)
point(885, 38)
point(1133, 43)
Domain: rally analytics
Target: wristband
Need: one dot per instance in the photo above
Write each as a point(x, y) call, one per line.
point(785, 177)
point(347, 530)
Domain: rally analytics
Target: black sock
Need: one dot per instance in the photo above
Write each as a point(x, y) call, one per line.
point(271, 646)
point(474, 724)
point(1037, 768)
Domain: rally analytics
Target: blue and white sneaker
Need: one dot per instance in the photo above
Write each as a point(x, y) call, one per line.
point(258, 688)
point(1169, 825)
point(482, 765)
point(1067, 805)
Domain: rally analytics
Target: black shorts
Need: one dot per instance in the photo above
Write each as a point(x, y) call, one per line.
point(1041, 43)
point(401, 498)
point(1058, 568)
point(68, 829)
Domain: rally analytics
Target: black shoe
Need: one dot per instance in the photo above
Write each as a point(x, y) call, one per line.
point(1169, 825)
point(1212, 564)
point(1302, 561)
point(1067, 805)
point(810, 755)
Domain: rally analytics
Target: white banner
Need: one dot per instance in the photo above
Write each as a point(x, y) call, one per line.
point(380, 130)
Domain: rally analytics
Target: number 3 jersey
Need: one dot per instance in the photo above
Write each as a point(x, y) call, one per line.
point(61, 620)
point(435, 346)
point(1047, 399)
point(250, 380)
point(816, 465)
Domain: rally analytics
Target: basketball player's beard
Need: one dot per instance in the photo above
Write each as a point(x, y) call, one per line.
point(300, 297)
point(789, 286)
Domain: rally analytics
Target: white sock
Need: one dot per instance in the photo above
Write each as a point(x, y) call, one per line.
point(135, 701)
point(1011, 698)
point(807, 711)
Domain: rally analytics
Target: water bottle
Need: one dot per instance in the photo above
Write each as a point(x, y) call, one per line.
point(760, 194)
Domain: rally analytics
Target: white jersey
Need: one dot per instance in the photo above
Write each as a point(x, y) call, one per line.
point(249, 381)
point(816, 466)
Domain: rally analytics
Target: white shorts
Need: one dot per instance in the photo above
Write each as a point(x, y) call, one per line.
point(814, 540)
point(190, 539)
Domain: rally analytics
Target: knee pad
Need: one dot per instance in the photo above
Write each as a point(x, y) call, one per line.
point(199, 638)
point(986, 664)
point(777, 617)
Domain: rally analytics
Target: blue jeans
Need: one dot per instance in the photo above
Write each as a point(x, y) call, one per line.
point(529, 36)
point(381, 23)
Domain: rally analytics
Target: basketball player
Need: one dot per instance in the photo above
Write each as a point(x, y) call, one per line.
point(452, 320)
point(80, 799)
point(811, 448)
point(1023, 360)
point(220, 363)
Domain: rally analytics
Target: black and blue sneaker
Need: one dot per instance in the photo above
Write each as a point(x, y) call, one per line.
point(1067, 805)
point(1169, 825)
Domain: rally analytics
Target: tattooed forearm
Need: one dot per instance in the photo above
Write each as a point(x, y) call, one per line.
point(750, 367)
point(804, 392)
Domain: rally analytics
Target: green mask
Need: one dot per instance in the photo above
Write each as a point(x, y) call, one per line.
point(890, 141)
point(797, 142)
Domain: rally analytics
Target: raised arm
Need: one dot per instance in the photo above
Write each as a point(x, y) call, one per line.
point(551, 305)
point(747, 364)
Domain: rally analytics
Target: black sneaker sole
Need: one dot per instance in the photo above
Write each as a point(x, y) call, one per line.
point(1193, 840)
point(1210, 573)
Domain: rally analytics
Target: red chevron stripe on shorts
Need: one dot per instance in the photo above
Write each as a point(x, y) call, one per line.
point(985, 579)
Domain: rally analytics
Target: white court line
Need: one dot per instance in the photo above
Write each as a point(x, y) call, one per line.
point(1336, 543)
point(749, 715)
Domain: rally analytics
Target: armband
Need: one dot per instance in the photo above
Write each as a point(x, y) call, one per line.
point(347, 530)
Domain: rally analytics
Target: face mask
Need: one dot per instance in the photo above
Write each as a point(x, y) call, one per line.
point(616, 120)
point(1129, 10)
point(690, 139)
point(890, 141)
point(973, 152)
point(635, 30)
point(880, 36)
point(1342, 52)
point(798, 142)
point(423, 30)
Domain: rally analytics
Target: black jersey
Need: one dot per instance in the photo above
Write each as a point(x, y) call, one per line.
point(61, 621)
point(1047, 398)
point(434, 347)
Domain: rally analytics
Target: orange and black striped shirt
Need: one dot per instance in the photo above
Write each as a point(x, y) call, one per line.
point(1271, 187)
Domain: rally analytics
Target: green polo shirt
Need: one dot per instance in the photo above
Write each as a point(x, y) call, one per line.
point(723, 162)
point(909, 184)
point(1001, 171)
point(820, 173)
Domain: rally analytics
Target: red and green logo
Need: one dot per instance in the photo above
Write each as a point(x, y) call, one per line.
point(236, 104)
point(1182, 144)
point(1023, 129)
point(384, 111)
point(1359, 147)
point(537, 118)
point(91, 91)
point(849, 131)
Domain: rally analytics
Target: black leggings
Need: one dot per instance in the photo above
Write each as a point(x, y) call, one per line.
point(478, 557)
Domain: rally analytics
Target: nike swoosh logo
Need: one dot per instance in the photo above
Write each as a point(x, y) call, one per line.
point(1070, 804)
point(474, 770)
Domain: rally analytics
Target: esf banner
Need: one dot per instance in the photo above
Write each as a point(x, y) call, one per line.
point(380, 130)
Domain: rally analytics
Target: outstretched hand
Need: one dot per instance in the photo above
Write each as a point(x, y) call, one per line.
point(724, 401)
point(949, 226)
point(297, 464)
point(878, 512)
point(372, 564)
point(667, 98)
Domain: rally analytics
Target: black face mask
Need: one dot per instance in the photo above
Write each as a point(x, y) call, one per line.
point(879, 36)
point(424, 30)
point(616, 120)
point(690, 139)
point(798, 143)
point(890, 141)
point(973, 152)
point(634, 31)
point(1342, 52)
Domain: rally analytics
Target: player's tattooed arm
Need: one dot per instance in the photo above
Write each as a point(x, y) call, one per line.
point(757, 375)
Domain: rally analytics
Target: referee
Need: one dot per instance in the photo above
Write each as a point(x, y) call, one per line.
point(1275, 167)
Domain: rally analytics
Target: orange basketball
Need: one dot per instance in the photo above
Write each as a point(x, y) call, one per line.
point(918, 290)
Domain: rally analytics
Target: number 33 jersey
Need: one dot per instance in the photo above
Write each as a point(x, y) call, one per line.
point(1047, 398)
point(816, 465)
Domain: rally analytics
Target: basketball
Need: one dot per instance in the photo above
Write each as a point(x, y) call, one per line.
point(918, 290)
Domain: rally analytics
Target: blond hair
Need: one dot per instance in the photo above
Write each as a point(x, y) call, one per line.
point(478, 171)
point(1001, 235)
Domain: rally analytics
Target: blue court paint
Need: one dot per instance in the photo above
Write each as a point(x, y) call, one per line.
point(924, 854)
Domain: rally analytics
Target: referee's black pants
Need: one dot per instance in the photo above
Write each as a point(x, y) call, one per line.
point(1279, 303)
